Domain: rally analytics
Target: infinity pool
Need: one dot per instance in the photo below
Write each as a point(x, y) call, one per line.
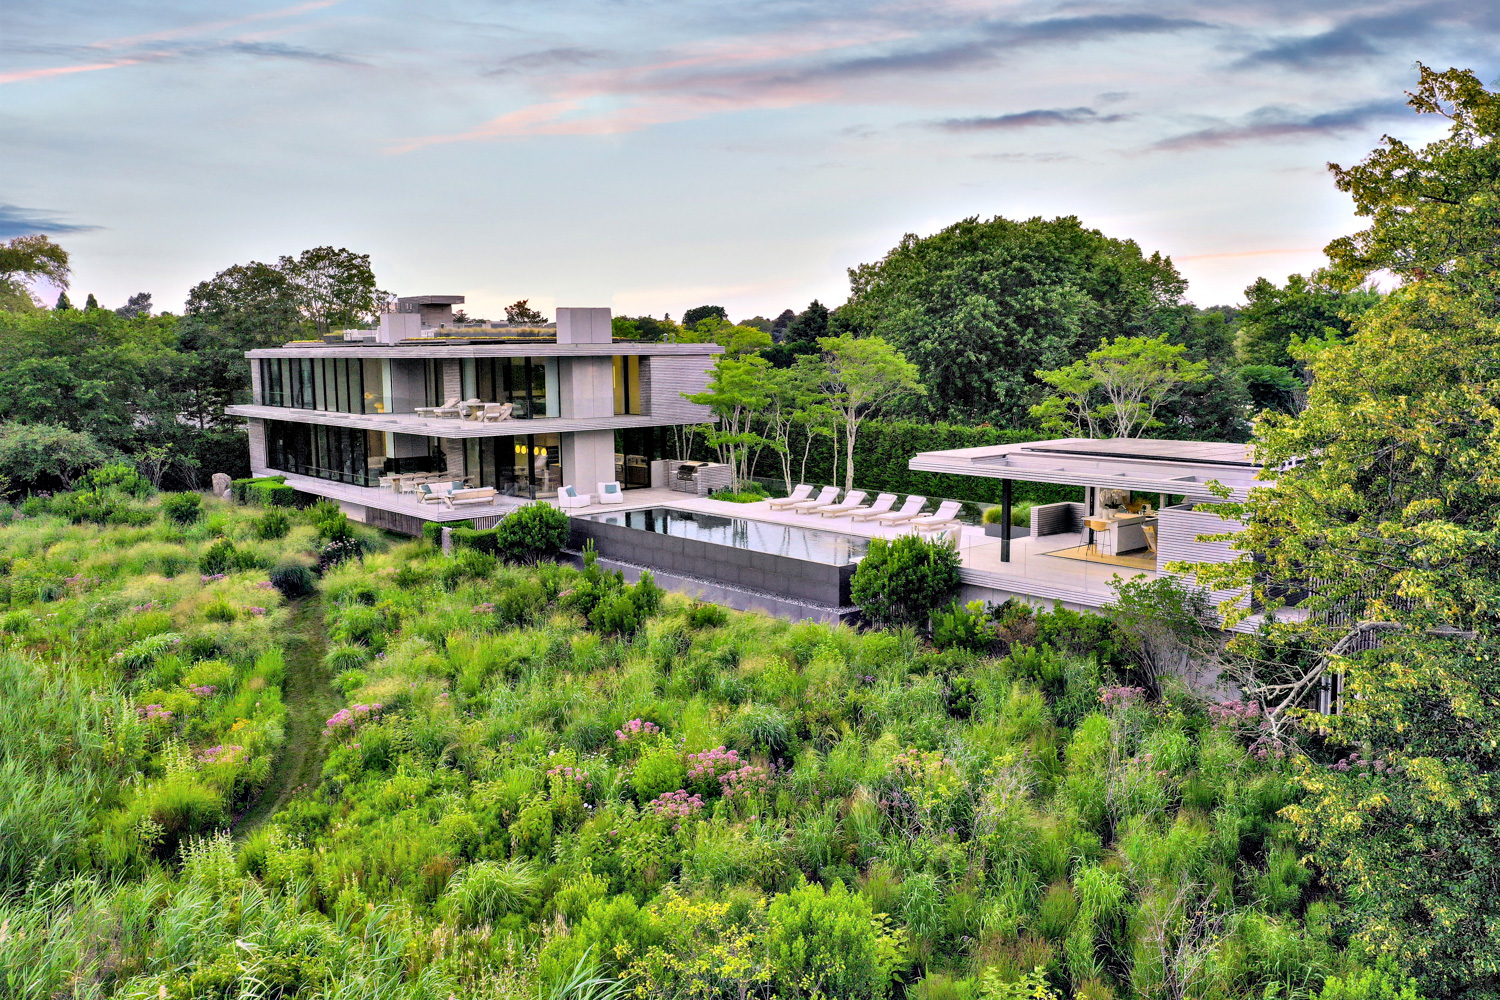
point(826, 547)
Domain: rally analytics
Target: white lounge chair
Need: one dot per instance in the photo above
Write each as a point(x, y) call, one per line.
point(495, 412)
point(826, 497)
point(611, 493)
point(946, 516)
point(883, 503)
point(438, 411)
point(568, 498)
point(801, 493)
point(852, 500)
point(910, 509)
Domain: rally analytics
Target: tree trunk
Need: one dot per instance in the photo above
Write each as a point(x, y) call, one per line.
point(849, 433)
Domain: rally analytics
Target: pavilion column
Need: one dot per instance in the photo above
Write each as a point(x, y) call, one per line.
point(1005, 504)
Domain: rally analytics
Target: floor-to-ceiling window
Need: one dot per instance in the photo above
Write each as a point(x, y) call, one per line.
point(342, 385)
point(525, 465)
point(627, 384)
point(522, 382)
point(341, 454)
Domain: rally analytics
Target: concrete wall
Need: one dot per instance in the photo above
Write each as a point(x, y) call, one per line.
point(396, 327)
point(795, 579)
point(257, 433)
point(453, 380)
point(255, 382)
point(583, 326)
point(668, 378)
point(453, 451)
point(586, 387)
point(588, 459)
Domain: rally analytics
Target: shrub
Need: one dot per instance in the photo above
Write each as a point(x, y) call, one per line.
point(292, 578)
point(660, 771)
point(337, 551)
point(760, 727)
point(269, 491)
point(272, 525)
point(534, 532)
point(902, 581)
point(1381, 983)
point(707, 616)
point(826, 944)
point(217, 558)
point(182, 508)
point(966, 627)
point(121, 477)
point(432, 531)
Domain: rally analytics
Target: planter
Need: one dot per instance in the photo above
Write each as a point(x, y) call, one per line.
point(995, 530)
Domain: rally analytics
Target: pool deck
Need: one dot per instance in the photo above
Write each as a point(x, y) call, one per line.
point(1035, 570)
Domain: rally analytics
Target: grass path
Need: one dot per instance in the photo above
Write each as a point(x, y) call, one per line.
point(308, 694)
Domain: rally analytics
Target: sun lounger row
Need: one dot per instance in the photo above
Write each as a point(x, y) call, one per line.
point(800, 501)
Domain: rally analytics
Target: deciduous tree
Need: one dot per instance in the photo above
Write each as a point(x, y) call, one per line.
point(864, 375)
point(1117, 390)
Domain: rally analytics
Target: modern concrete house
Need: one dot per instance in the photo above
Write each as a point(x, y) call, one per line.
point(525, 410)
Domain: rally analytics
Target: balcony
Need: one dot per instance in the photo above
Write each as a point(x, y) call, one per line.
point(445, 427)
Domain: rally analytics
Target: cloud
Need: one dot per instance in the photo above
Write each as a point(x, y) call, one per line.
point(205, 27)
point(278, 50)
point(546, 59)
point(1366, 35)
point(1282, 123)
point(22, 75)
point(1028, 119)
point(18, 221)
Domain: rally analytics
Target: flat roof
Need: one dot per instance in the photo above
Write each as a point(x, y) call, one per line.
point(1148, 465)
point(431, 300)
point(433, 347)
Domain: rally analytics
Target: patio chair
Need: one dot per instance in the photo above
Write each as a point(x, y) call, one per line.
point(801, 493)
point(469, 409)
point(852, 500)
point(437, 411)
point(569, 498)
point(1149, 531)
point(611, 493)
point(910, 509)
point(495, 412)
point(945, 517)
point(826, 497)
point(882, 503)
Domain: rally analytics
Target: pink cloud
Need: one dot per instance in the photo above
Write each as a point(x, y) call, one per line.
point(20, 76)
point(208, 26)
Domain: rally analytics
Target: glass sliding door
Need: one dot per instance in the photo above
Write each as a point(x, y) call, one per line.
point(526, 465)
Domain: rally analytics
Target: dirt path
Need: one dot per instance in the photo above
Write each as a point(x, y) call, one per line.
point(308, 694)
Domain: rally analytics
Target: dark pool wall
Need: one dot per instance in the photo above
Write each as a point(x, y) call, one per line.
point(815, 583)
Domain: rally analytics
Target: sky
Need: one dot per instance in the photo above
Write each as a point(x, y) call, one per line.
point(653, 156)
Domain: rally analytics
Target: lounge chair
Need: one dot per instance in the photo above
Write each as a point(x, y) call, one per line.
point(826, 497)
point(438, 411)
point(568, 498)
point(910, 509)
point(1149, 531)
point(611, 493)
point(852, 500)
point(882, 503)
point(801, 493)
point(945, 517)
point(495, 412)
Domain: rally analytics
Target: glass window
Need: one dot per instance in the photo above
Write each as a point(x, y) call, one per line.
point(619, 384)
point(374, 385)
point(633, 384)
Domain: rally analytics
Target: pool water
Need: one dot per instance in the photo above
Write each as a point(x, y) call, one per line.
point(827, 547)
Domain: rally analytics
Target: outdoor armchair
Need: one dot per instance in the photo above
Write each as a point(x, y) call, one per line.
point(909, 510)
point(495, 412)
point(435, 492)
point(434, 411)
point(611, 493)
point(568, 498)
point(883, 503)
point(801, 493)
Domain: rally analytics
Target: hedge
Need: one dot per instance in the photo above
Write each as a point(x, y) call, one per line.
point(883, 449)
point(432, 531)
point(267, 491)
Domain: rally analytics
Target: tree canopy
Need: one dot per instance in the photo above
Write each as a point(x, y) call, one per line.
point(982, 305)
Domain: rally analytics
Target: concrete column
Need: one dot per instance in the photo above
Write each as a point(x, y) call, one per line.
point(588, 459)
point(584, 326)
point(1005, 505)
point(453, 380)
point(586, 387)
point(257, 432)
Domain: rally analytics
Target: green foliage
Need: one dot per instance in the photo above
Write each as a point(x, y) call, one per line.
point(182, 508)
point(273, 524)
point(1117, 390)
point(981, 305)
point(535, 532)
point(488, 890)
point(828, 944)
point(38, 456)
point(269, 491)
point(1380, 983)
point(904, 581)
point(292, 578)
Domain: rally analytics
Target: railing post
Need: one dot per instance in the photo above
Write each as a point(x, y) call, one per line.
point(1005, 502)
